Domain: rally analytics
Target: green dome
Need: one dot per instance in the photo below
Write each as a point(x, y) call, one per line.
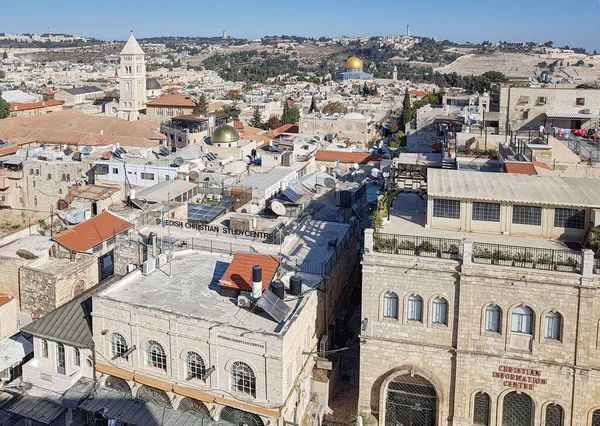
point(225, 134)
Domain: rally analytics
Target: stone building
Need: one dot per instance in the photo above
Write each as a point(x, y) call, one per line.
point(352, 126)
point(169, 106)
point(528, 108)
point(465, 327)
point(18, 109)
point(186, 340)
point(132, 80)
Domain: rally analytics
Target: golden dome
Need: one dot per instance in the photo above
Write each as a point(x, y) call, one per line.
point(354, 63)
point(225, 134)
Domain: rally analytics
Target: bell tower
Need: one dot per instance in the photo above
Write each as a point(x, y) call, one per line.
point(132, 80)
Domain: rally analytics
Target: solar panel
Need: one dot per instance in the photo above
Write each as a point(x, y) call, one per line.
point(164, 151)
point(204, 213)
point(273, 306)
point(291, 195)
point(211, 156)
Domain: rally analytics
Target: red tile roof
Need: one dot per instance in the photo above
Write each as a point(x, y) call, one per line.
point(541, 165)
point(92, 232)
point(520, 168)
point(417, 93)
point(18, 106)
point(9, 150)
point(4, 299)
point(288, 128)
point(238, 125)
point(172, 100)
point(347, 157)
point(239, 273)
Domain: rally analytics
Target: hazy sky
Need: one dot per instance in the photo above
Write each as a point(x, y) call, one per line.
point(564, 22)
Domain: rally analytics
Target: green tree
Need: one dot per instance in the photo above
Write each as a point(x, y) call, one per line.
point(201, 106)
point(406, 111)
point(273, 123)
point(2, 75)
point(294, 115)
point(4, 108)
point(5, 55)
point(313, 105)
point(291, 115)
point(256, 120)
point(333, 108)
point(399, 140)
point(232, 110)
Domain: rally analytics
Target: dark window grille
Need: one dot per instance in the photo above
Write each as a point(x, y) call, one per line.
point(481, 409)
point(155, 355)
point(157, 396)
point(488, 212)
point(119, 344)
point(449, 209)
point(569, 218)
point(554, 415)
point(517, 410)
point(527, 215)
point(596, 418)
point(411, 401)
point(195, 366)
point(243, 378)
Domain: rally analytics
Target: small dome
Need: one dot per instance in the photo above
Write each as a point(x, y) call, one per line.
point(152, 84)
point(225, 134)
point(354, 63)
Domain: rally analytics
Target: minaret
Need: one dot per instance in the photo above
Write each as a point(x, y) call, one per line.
point(132, 80)
point(395, 73)
point(408, 31)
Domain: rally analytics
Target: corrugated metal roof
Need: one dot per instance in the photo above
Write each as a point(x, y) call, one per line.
point(14, 349)
point(70, 324)
point(572, 115)
point(34, 408)
point(92, 232)
point(514, 188)
point(263, 181)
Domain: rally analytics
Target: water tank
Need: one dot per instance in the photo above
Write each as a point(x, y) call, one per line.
point(257, 281)
point(278, 288)
point(296, 285)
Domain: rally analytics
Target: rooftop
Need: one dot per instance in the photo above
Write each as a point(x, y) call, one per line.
point(347, 157)
point(19, 106)
point(172, 100)
point(239, 272)
point(165, 191)
point(83, 90)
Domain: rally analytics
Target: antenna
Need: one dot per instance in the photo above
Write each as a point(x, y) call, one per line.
point(278, 208)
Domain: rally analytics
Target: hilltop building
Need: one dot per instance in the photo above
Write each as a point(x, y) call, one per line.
point(354, 71)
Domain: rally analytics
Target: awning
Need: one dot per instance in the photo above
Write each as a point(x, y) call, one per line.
point(33, 408)
point(14, 161)
point(573, 115)
point(77, 393)
point(116, 406)
point(13, 350)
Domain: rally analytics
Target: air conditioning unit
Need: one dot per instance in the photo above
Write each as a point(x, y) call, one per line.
point(324, 344)
point(244, 302)
point(149, 266)
point(161, 260)
point(587, 111)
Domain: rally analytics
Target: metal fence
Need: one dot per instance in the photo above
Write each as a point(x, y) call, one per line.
point(418, 246)
point(528, 257)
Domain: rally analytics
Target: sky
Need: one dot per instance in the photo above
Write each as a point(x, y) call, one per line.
point(456, 20)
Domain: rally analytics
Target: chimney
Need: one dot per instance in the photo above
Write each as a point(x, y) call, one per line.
point(256, 282)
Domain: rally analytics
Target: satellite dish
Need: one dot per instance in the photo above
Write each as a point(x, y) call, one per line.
point(247, 159)
point(194, 175)
point(323, 169)
point(278, 208)
point(254, 208)
point(375, 172)
point(106, 155)
point(355, 166)
point(178, 161)
point(75, 216)
point(329, 182)
point(25, 254)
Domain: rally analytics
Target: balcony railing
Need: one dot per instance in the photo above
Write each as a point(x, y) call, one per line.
point(418, 246)
point(528, 257)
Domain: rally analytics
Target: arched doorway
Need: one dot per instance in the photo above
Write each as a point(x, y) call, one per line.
point(189, 404)
point(79, 288)
point(239, 417)
point(411, 401)
point(118, 385)
point(157, 396)
point(517, 410)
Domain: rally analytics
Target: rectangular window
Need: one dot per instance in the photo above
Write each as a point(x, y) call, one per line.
point(488, 212)
point(569, 218)
point(415, 305)
point(33, 182)
point(439, 311)
point(63, 177)
point(115, 171)
point(580, 101)
point(527, 215)
point(523, 100)
point(147, 176)
point(37, 172)
point(525, 115)
point(49, 176)
point(446, 208)
point(60, 358)
point(76, 357)
point(44, 348)
point(492, 319)
point(167, 177)
point(541, 100)
point(101, 170)
point(552, 326)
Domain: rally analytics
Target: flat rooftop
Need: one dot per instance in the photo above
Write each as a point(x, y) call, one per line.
point(192, 291)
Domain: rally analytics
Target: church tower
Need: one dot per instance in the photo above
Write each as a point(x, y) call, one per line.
point(132, 80)
point(408, 31)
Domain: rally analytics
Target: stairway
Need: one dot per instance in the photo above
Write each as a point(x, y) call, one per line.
point(449, 164)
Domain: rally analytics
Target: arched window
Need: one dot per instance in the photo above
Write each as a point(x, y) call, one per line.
point(118, 345)
point(189, 404)
point(493, 315)
point(239, 417)
point(155, 355)
point(439, 311)
point(596, 418)
point(517, 410)
point(522, 320)
point(481, 409)
point(390, 305)
point(157, 396)
point(60, 359)
point(118, 385)
point(415, 308)
point(195, 367)
point(79, 287)
point(242, 378)
point(554, 415)
point(552, 325)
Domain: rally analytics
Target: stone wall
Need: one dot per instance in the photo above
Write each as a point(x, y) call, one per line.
point(8, 318)
point(461, 358)
point(127, 252)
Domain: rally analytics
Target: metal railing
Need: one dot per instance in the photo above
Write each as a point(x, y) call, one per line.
point(528, 257)
point(418, 246)
point(597, 263)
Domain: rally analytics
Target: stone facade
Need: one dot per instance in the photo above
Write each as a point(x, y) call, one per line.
point(459, 358)
point(8, 318)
